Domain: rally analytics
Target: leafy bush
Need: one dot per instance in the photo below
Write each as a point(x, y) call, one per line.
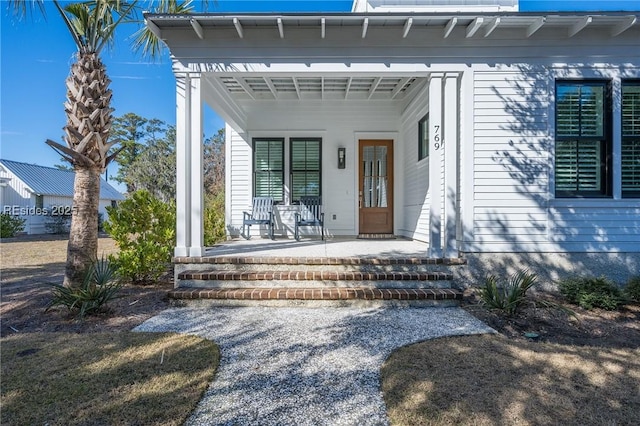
point(511, 296)
point(10, 225)
point(632, 289)
point(100, 285)
point(591, 292)
point(143, 228)
point(214, 230)
point(58, 224)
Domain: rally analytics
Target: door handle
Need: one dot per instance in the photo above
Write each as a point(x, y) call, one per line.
point(360, 200)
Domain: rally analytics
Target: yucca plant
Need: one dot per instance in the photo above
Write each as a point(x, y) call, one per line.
point(509, 297)
point(99, 286)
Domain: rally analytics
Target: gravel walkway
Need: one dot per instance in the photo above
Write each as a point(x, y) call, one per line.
point(304, 366)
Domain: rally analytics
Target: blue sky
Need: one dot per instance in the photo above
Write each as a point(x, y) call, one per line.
point(36, 55)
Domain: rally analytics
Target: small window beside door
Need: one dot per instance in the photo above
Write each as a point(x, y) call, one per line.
point(423, 137)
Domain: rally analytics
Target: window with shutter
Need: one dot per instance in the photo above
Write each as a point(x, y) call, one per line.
point(306, 162)
point(630, 139)
point(583, 143)
point(268, 168)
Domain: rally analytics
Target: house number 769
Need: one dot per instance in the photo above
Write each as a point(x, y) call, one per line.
point(437, 140)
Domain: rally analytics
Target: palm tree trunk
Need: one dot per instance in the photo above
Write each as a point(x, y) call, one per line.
point(83, 235)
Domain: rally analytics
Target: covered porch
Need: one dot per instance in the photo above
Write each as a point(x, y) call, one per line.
point(339, 88)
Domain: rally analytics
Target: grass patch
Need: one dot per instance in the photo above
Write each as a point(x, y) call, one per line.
point(104, 378)
point(489, 380)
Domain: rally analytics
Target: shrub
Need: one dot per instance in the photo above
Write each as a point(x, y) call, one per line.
point(58, 224)
point(511, 296)
point(143, 228)
point(100, 285)
point(214, 230)
point(632, 289)
point(591, 292)
point(10, 225)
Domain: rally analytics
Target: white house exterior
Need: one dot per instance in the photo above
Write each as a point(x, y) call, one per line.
point(504, 132)
point(39, 194)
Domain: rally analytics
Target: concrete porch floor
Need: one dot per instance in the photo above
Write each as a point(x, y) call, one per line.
point(336, 247)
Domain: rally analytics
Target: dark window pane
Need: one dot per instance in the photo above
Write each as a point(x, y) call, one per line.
point(268, 170)
point(305, 168)
point(423, 137)
point(631, 139)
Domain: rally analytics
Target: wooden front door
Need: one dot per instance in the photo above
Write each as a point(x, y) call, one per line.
point(376, 186)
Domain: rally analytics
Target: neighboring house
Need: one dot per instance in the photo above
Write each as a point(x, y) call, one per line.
point(465, 124)
point(42, 195)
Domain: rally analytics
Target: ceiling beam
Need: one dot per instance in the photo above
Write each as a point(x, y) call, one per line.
point(492, 27)
point(580, 25)
point(274, 92)
point(365, 25)
point(246, 87)
point(197, 28)
point(236, 23)
point(537, 24)
point(629, 22)
point(280, 27)
point(473, 27)
point(374, 86)
point(449, 27)
point(295, 84)
point(323, 27)
point(407, 27)
point(399, 87)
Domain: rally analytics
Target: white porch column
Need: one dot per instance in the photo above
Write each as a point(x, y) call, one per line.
point(450, 141)
point(197, 181)
point(189, 181)
point(183, 169)
point(435, 164)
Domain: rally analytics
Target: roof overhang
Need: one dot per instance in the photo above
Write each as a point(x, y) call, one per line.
point(474, 24)
point(248, 58)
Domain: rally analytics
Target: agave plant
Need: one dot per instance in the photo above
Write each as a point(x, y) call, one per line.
point(510, 297)
point(100, 285)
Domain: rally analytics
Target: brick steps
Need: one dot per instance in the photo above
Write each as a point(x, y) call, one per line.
point(335, 293)
point(226, 275)
point(314, 281)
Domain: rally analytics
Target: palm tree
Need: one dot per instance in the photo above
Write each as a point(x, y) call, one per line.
point(92, 26)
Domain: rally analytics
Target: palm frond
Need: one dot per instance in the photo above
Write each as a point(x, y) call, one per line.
point(144, 40)
point(22, 8)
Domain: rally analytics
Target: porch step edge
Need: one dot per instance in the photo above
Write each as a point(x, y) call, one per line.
point(278, 260)
point(342, 293)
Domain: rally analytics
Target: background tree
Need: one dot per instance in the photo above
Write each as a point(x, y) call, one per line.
point(213, 163)
point(154, 169)
point(128, 131)
point(92, 26)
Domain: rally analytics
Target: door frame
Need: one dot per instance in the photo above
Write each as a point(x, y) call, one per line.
point(378, 140)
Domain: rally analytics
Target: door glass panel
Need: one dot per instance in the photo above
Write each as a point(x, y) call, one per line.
point(374, 174)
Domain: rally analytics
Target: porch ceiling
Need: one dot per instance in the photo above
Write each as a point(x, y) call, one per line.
point(318, 87)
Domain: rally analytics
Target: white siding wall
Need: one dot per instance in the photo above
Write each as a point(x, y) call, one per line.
point(415, 184)
point(338, 124)
point(513, 195)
